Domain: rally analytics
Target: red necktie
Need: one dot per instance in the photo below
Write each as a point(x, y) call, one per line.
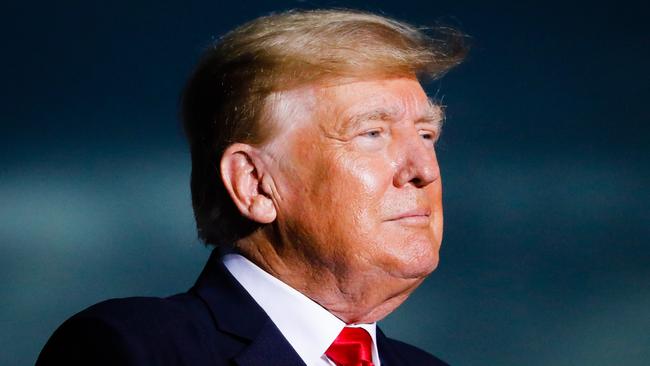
point(353, 347)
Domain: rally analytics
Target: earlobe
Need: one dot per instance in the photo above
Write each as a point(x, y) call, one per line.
point(242, 176)
point(262, 209)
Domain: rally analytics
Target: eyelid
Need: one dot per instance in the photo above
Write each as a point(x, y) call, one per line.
point(365, 132)
point(434, 133)
point(433, 136)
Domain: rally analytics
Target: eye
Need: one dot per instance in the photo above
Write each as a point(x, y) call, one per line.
point(429, 138)
point(372, 134)
point(372, 139)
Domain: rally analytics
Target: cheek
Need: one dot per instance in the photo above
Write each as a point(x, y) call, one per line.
point(370, 178)
point(361, 183)
point(347, 193)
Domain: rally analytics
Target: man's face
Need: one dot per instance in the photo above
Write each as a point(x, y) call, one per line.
point(358, 182)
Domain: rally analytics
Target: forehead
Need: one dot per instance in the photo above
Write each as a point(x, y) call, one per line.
point(349, 104)
point(337, 107)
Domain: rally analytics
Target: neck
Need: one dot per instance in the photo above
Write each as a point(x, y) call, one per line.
point(351, 297)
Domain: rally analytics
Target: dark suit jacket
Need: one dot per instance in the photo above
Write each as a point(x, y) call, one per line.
point(215, 323)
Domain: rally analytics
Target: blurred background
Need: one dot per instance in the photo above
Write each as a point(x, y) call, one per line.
point(545, 158)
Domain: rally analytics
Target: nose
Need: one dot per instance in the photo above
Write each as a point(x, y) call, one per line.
point(417, 163)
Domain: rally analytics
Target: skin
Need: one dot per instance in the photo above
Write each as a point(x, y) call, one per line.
point(350, 189)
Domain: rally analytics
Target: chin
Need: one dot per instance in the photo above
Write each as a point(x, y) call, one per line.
point(415, 264)
point(423, 268)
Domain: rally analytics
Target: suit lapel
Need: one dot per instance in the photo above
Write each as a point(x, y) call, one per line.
point(269, 348)
point(387, 354)
point(235, 312)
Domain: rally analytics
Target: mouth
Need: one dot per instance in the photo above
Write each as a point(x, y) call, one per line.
point(417, 217)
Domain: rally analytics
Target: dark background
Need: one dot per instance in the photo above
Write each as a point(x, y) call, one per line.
point(545, 159)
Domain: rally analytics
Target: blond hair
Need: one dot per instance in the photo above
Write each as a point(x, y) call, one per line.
point(225, 97)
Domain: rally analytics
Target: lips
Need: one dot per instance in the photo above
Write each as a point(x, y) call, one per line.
point(418, 216)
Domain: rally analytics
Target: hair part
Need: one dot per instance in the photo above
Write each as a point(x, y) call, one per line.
point(225, 99)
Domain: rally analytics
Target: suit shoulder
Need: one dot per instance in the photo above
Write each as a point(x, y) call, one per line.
point(413, 355)
point(128, 331)
point(135, 310)
point(142, 314)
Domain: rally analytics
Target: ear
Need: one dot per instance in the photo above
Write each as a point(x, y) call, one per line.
point(242, 174)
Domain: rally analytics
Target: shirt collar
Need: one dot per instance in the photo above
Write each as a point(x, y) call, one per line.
point(309, 328)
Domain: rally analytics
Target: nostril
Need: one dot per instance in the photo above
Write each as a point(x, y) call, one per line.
point(416, 181)
point(417, 172)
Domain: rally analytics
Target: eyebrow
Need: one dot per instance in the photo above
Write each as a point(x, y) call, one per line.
point(434, 115)
point(380, 114)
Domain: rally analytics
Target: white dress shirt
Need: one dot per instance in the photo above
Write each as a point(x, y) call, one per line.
point(309, 328)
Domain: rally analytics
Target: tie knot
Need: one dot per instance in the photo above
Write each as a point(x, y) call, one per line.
point(353, 347)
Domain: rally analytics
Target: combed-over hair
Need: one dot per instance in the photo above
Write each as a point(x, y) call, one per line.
point(225, 97)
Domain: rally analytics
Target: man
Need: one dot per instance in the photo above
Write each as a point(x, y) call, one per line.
point(314, 174)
